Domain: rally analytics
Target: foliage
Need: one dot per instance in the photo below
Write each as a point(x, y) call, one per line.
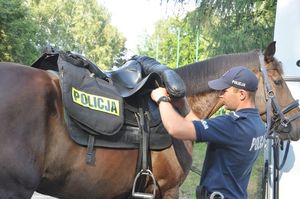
point(17, 32)
point(236, 25)
point(163, 44)
point(221, 27)
point(82, 26)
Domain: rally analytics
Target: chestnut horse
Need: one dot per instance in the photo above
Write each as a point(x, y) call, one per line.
point(37, 153)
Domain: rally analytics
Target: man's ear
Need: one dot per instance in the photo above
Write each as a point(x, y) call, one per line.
point(243, 94)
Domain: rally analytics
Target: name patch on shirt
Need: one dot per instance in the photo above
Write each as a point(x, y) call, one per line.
point(257, 143)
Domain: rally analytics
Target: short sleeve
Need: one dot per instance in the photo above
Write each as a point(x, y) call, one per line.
point(216, 130)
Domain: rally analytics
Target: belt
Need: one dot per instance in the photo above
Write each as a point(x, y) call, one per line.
point(202, 193)
point(215, 195)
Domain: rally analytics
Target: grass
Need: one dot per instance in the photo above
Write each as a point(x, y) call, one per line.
point(187, 190)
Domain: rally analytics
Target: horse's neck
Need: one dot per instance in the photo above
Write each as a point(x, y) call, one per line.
point(204, 105)
point(203, 101)
point(196, 75)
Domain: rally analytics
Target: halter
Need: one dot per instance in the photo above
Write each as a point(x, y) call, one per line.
point(276, 124)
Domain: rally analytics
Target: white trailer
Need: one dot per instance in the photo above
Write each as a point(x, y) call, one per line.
point(287, 37)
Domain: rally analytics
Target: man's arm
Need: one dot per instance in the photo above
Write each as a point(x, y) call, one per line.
point(176, 125)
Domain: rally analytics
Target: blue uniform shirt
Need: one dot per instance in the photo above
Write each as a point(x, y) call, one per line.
point(234, 141)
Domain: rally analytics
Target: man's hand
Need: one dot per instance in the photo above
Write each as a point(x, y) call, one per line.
point(158, 92)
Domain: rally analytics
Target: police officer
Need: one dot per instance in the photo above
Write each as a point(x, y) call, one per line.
point(233, 140)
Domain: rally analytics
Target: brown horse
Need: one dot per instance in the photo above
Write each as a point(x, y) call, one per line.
point(37, 153)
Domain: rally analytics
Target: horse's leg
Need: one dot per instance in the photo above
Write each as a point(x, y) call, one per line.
point(172, 193)
point(170, 167)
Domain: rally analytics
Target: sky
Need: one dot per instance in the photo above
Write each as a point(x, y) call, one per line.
point(135, 18)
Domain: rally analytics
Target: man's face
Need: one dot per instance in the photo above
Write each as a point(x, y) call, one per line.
point(231, 98)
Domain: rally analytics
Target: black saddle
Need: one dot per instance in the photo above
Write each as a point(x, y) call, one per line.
point(85, 86)
point(128, 79)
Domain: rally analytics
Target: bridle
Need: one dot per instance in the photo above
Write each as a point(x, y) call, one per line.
point(276, 124)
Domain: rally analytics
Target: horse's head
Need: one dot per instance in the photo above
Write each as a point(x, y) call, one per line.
point(274, 99)
point(204, 102)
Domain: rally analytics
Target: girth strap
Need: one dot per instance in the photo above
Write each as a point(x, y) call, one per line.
point(90, 155)
point(145, 130)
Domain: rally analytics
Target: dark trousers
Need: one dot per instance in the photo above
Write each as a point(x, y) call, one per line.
point(201, 192)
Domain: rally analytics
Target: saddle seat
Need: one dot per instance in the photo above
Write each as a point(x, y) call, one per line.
point(127, 78)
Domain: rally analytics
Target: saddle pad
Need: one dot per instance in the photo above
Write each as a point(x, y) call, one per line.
point(89, 99)
point(128, 138)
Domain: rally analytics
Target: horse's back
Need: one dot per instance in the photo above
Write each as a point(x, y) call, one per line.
point(26, 105)
point(38, 154)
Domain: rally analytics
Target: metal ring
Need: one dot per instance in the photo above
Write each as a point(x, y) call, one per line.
point(271, 93)
point(147, 173)
point(216, 193)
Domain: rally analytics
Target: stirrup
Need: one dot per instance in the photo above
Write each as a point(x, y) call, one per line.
point(144, 172)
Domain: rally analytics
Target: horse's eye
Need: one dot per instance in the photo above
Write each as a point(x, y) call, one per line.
point(278, 82)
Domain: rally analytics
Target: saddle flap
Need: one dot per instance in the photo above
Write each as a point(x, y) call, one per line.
point(91, 101)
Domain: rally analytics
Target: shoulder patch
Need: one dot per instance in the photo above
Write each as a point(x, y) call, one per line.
point(234, 115)
point(237, 115)
point(204, 124)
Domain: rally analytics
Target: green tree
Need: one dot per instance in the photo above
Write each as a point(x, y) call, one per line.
point(221, 27)
point(17, 33)
point(82, 26)
point(163, 44)
point(235, 25)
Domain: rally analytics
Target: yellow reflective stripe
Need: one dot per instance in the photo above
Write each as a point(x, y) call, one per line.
point(95, 102)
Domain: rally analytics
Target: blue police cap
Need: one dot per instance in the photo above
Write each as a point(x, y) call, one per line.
point(239, 77)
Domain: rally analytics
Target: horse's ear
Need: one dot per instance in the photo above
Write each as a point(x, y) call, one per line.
point(270, 51)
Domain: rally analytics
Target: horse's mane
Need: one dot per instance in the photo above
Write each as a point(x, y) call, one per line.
point(197, 75)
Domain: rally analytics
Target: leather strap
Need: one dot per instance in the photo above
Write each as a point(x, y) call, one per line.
point(90, 155)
